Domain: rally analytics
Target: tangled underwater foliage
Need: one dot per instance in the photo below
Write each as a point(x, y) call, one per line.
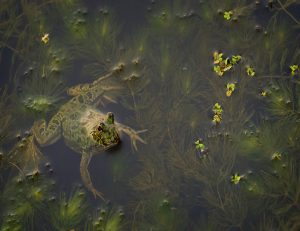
point(214, 145)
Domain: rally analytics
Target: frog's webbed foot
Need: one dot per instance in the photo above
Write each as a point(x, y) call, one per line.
point(85, 175)
point(134, 135)
point(109, 92)
point(100, 101)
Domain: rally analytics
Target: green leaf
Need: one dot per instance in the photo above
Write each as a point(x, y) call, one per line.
point(228, 14)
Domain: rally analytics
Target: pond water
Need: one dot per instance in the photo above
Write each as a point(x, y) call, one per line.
point(204, 131)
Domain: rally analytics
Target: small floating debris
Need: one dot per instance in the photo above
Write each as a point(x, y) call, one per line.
point(45, 38)
point(263, 93)
point(236, 178)
point(276, 156)
point(230, 89)
point(250, 71)
point(228, 14)
point(294, 70)
point(221, 65)
point(217, 110)
point(200, 145)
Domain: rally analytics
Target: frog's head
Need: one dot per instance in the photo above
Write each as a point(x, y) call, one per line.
point(106, 135)
point(110, 118)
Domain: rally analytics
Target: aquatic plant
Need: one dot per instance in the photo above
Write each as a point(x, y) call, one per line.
point(265, 222)
point(22, 202)
point(75, 19)
point(222, 65)
point(25, 155)
point(169, 89)
point(236, 178)
point(67, 213)
point(266, 142)
point(253, 187)
point(282, 193)
point(218, 111)
point(45, 38)
point(282, 100)
point(228, 14)
point(294, 69)
point(40, 95)
point(276, 156)
point(92, 35)
point(199, 145)
point(273, 52)
point(230, 10)
point(283, 7)
point(158, 212)
point(6, 118)
point(228, 207)
point(174, 17)
point(230, 87)
point(107, 219)
point(250, 71)
point(20, 20)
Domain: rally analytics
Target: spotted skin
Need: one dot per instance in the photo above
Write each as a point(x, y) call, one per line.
point(76, 120)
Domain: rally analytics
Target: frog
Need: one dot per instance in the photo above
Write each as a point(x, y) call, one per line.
point(85, 129)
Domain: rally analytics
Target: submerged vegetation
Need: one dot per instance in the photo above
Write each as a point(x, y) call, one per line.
point(215, 83)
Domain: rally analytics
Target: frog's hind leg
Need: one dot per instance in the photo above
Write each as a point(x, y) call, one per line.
point(85, 175)
point(47, 134)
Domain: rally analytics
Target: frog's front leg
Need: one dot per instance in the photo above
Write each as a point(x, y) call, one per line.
point(46, 135)
point(85, 175)
point(134, 135)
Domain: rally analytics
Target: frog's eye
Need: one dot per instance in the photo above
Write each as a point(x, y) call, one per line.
point(110, 118)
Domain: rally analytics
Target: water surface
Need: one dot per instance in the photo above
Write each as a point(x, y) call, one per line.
point(214, 83)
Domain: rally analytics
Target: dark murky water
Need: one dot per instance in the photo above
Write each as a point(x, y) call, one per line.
point(215, 83)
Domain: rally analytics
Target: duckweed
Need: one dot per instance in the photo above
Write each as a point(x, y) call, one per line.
point(276, 156)
point(250, 71)
point(200, 145)
point(228, 14)
point(294, 69)
point(230, 89)
point(45, 38)
point(236, 178)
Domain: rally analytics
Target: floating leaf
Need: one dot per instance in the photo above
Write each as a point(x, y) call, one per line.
point(294, 69)
point(218, 70)
point(217, 109)
point(217, 118)
point(228, 14)
point(199, 145)
point(263, 93)
point(218, 57)
point(45, 38)
point(276, 156)
point(235, 59)
point(236, 178)
point(230, 88)
point(250, 71)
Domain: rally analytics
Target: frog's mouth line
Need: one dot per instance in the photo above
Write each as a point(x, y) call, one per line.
point(112, 150)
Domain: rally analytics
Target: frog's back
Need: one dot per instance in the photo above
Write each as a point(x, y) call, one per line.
point(79, 120)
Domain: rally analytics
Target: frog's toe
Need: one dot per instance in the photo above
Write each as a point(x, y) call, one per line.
point(136, 138)
point(96, 194)
point(141, 131)
point(109, 99)
point(133, 143)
